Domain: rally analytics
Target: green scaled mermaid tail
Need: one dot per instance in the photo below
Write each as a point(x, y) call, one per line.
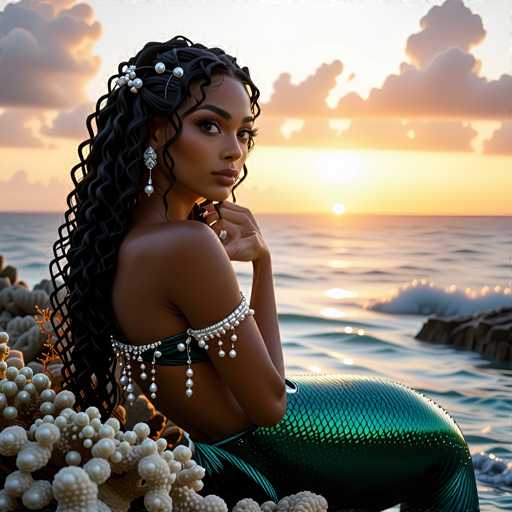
point(364, 443)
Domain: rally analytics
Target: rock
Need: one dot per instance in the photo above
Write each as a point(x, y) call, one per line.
point(5, 282)
point(10, 272)
point(488, 332)
point(45, 285)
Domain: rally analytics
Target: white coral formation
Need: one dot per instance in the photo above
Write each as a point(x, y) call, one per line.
point(304, 501)
point(18, 307)
point(98, 467)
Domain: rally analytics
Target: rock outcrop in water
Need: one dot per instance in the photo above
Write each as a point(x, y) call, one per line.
point(487, 332)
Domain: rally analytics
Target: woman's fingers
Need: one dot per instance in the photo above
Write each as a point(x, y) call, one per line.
point(237, 208)
point(235, 216)
point(238, 217)
point(219, 224)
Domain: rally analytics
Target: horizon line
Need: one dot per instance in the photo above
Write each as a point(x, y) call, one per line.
point(375, 214)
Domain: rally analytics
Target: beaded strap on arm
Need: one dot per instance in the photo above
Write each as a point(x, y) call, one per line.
point(215, 331)
point(127, 353)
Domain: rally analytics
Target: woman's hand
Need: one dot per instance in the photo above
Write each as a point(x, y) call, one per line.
point(244, 241)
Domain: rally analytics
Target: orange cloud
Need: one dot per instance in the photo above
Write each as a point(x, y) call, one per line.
point(500, 142)
point(306, 98)
point(15, 132)
point(378, 133)
point(448, 88)
point(70, 124)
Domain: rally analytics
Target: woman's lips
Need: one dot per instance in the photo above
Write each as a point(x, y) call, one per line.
point(225, 180)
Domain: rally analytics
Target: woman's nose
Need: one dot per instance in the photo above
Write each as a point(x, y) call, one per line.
point(234, 149)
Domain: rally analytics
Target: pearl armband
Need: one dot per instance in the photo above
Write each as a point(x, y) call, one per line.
point(215, 331)
point(126, 354)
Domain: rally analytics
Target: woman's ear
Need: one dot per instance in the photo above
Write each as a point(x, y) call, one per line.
point(159, 132)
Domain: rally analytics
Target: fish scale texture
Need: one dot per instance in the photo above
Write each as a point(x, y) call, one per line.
point(364, 443)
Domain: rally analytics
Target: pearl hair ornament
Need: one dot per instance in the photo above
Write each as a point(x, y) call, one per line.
point(129, 76)
point(127, 354)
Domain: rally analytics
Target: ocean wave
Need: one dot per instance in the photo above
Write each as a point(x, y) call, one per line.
point(426, 298)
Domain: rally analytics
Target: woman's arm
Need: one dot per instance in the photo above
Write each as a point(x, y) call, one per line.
point(264, 304)
point(206, 289)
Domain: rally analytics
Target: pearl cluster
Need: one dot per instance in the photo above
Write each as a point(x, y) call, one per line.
point(215, 331)
point(125, 354)
point(130, 78)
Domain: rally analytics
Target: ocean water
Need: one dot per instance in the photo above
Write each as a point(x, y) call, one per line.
point(352, 292)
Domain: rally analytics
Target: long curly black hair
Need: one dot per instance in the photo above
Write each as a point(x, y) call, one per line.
point(107, 182)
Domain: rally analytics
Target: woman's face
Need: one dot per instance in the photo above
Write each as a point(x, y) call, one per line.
point(214, 137)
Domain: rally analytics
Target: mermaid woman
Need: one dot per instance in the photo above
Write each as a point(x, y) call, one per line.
point(148, 296)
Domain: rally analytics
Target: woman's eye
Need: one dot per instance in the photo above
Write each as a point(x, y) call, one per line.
point(208, 123)
point(249, 133)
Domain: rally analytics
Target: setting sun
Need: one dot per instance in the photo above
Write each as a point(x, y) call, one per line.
point(338, 209)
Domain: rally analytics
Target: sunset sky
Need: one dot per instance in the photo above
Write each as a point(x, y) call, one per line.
point(390, 106)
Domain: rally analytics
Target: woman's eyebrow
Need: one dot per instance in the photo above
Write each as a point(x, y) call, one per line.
point(223, 113)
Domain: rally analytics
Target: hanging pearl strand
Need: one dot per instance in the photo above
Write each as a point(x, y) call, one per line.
point(212, 331)
point(125, 354)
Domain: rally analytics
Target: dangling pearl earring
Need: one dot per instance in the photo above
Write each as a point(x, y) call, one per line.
point(149, 162)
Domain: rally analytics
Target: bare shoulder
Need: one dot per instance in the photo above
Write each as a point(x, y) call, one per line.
point(199, 262)
point(177, 258)
point(187, 248)
point(164, 242)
